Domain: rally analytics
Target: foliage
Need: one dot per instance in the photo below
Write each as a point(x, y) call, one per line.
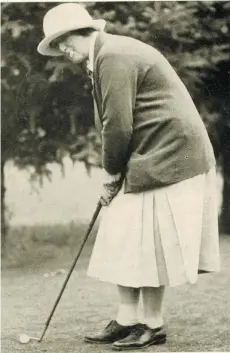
point(47, 108)
point(194, 36)
point(46, 104)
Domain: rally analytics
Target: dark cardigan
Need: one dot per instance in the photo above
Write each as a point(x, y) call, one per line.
point(148, 122)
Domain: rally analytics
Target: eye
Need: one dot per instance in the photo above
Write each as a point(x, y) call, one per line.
point(55, 43)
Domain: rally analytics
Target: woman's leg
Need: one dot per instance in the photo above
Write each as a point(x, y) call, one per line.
point(128, 307)
point(152, 305)
point(153, 331)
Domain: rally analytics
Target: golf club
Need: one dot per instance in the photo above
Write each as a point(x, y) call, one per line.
point(23, 338)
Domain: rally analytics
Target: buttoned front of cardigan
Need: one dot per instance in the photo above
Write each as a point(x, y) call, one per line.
point(148, 122)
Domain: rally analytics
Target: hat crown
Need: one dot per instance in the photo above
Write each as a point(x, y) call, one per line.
point(62, 19)
point(64, 16)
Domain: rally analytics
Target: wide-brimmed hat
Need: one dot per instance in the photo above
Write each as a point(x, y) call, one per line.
point(62, 19)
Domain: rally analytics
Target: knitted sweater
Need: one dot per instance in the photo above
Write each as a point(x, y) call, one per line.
point(149, 125)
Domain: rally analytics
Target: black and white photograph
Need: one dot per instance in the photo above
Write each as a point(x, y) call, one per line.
point(115, 176)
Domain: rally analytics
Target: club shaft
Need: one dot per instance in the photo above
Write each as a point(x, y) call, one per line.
point(95, 215)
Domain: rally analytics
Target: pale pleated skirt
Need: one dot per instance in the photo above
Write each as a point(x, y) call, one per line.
point(159, 237)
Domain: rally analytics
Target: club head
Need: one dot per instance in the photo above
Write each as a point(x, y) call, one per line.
point(24, 339)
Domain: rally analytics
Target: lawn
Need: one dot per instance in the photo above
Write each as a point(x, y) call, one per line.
point(197, 317)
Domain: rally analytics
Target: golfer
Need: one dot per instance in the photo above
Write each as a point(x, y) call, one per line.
point(159, 225)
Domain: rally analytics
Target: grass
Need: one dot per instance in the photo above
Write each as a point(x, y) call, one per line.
point(197, 317)
point(39, 244)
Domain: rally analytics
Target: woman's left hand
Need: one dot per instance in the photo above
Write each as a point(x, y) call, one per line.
point(110, 188)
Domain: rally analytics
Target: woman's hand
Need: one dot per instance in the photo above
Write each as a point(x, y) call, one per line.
point(110, 188)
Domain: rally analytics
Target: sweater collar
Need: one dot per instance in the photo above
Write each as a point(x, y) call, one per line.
point(98, 45)
point(90, 63)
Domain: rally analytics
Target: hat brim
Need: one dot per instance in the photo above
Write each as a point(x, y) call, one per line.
point(44, 47)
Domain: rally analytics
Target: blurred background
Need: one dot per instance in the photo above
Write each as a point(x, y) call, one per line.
point(50, 165)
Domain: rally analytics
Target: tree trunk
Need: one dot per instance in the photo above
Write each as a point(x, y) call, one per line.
point(32, 122)
point(3, 206)
point(73, 128)
point(225, 213)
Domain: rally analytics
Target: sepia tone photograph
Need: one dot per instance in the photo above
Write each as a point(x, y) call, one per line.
point(115, 176)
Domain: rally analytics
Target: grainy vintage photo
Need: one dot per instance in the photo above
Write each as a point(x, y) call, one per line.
point(115, 176)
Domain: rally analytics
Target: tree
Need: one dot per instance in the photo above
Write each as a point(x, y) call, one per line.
point(46, 102)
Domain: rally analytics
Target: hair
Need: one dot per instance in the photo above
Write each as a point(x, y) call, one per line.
point(84, 32)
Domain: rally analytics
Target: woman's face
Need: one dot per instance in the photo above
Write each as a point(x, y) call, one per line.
point(73, 47)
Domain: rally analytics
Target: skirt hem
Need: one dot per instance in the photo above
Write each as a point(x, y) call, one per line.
point(135, 285)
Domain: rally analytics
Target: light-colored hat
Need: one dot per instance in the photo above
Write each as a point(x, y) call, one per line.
point(62, 19)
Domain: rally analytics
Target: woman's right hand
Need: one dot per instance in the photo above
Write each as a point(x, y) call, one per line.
point(110, 188)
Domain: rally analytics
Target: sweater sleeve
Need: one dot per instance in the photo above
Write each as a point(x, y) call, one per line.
point(117, 80)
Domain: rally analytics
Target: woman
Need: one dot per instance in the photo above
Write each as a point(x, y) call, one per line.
point(159, 226)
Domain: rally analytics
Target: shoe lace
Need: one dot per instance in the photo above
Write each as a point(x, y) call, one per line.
point(138, 330)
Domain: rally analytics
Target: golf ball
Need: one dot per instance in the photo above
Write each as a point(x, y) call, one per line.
point(23, 338)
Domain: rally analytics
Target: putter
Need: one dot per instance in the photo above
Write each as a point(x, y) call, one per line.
point(23, 338)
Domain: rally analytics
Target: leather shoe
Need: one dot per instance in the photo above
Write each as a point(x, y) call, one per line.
point(113, 332)
point(140, 337)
